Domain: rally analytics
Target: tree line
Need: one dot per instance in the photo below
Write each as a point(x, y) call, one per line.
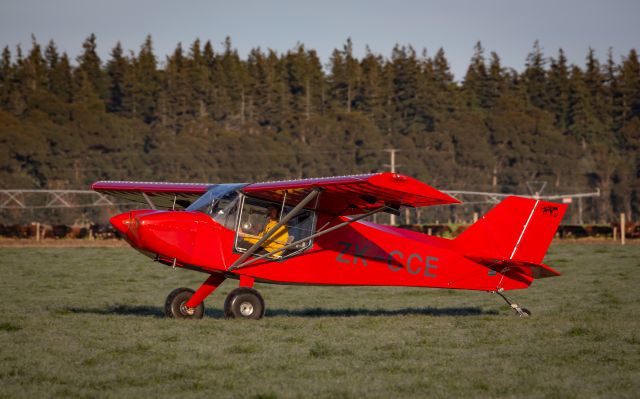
point(205, 113)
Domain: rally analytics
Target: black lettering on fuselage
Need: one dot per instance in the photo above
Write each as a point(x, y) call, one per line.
point(409, 269)
point(390, 260)
point(346, 246)
point(359, 254)
point(430, 264)
point(413, 266)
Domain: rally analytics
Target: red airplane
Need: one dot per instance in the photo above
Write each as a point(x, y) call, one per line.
point(311, 232)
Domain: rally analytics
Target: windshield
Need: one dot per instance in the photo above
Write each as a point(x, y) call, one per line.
point(216, 198)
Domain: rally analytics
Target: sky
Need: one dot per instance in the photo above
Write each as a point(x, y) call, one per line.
point(508, 27)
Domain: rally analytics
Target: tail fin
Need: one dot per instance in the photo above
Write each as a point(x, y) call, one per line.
point(516, 230)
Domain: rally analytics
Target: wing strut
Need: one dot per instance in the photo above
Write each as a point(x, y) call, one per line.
point(238, 265)
point(151, 204)
point(275, 228)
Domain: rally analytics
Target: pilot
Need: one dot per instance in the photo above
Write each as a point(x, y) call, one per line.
point(277, 240)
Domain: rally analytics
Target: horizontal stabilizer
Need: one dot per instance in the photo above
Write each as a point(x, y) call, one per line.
point(525, 268)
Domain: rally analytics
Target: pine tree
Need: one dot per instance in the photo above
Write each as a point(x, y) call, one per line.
point(62, 79)
point(17, 101)
point(344, 78)
point(116, 70)
point(405, 79)
point(58, 90)
point(496, 81)
point(90, 67)
point(628, 94)
point(35, 69)
point(235, 83)
point(558, 89)
point(6, 77)
point(52, 61)
point(630, 86)
point(305, 80)
point(444, 88)
point(220, 106)
point(534, 77)
point(147, 82)
point(581, 122)
point(371, 94)
point(177, 91)
point(442, 70)
point(594, 81)
point(260, 92)
point(198, 77)
point(476, 80)
point(86, 100)
point(426, 108)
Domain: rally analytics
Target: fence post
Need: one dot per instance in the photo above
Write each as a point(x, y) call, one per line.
point(615, 234)
point(37, 231)
point(622, 228)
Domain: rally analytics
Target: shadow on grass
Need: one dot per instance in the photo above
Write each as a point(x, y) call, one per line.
point(154, 311)
point(350, 312)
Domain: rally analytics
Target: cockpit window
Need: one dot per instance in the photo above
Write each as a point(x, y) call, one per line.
point(216, 199)
point(257, 217)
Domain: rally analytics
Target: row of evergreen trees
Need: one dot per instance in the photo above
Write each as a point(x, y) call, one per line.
point(206, 114)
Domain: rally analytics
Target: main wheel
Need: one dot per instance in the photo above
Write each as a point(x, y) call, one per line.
point(244, 303)
point(175, 307)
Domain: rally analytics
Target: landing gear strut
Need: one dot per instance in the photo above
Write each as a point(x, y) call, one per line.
point(522, 312)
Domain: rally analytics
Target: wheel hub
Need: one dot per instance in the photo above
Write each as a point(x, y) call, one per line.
point(187, 310)
point(246, 308)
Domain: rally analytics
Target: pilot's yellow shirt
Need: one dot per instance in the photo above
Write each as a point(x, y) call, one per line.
point(277, 240)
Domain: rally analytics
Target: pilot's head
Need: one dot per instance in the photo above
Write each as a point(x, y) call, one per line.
point(272, 211)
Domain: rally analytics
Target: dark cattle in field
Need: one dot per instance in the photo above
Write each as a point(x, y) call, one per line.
point(16, 231)
point(572, 231)
point(597, 230)
point(60, 230)
point(78, 232)
point(103, 231)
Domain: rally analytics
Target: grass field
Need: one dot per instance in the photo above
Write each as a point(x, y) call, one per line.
point(87, 322)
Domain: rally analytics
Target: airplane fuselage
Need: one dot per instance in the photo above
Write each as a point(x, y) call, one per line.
point(361, 253)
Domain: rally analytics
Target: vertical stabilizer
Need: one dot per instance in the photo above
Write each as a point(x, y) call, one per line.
point(517, 229)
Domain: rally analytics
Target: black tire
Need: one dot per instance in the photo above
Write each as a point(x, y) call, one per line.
point(174, 305)
point(244, 303)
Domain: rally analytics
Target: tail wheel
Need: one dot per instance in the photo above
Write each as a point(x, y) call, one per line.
point(175, 307)
point(244, 303)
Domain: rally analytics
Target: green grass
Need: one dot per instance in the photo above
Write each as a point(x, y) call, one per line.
point(87, 322)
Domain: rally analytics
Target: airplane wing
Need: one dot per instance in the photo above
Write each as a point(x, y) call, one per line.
point(355, 194)
point(341, 195)
point(161, 195)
